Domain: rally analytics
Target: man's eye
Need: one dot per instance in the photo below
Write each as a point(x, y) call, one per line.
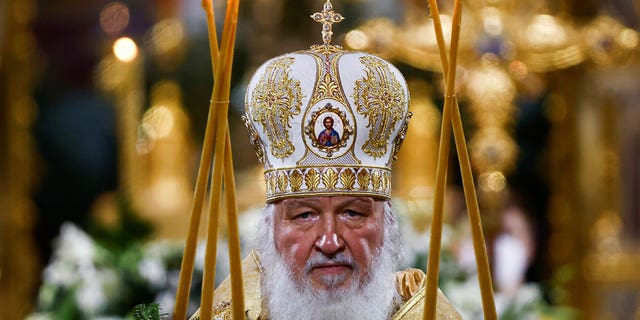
point(352, 213)
point(303, 216)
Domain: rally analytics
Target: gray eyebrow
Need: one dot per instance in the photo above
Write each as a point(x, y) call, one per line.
point(301, 203)
point(313, 203)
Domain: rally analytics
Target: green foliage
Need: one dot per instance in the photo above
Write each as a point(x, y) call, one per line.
point(149, 311)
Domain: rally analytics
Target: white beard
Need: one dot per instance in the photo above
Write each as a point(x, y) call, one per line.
point(375, 299)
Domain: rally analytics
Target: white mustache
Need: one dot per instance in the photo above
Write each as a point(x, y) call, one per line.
point(338, 259)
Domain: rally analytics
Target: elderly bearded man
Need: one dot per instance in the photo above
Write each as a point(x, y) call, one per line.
point(328, 245)
point(329, 257)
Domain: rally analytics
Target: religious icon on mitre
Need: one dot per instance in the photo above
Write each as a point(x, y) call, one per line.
point(328, 130)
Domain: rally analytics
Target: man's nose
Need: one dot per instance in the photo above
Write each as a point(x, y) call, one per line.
point(329, 241)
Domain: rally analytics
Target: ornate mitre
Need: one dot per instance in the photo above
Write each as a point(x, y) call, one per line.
point(326, 121)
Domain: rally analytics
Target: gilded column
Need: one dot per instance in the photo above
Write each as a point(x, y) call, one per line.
point(18, 263)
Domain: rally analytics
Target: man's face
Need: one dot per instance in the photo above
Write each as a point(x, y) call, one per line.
point(328, 123)
point(329, 242)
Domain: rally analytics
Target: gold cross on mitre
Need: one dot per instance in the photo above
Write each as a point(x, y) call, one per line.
point(327, 17)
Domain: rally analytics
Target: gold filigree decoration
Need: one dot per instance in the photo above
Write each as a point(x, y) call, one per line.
point(326, 49)
point(295, 179)
point(327, 88)
point(312, 178)
point(275, 100)
point(330, 178)
point(370, 181)
point(267, 183)
point(272, 183)
point(363, 179)
point(222, 311)
point(380, 98)
point(376, 180)
point(254, 139)
point(348, 179)
point(400, 137)
point(282, 182)
point(384, 183)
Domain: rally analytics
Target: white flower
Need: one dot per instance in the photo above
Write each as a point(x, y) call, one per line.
point(510, 262)
point(417, 241)
point(522, 301)
point(46, 296)
point(91, 298)
point(173, 279)
point(199, 259)
point(527, 295)
point(466, 256)
point(59, 273)
point(466, 298)
point(414, 243)
point(248, 223)
point(162, 249)
point(39, 316)
point(72, 258)
point(74, 245)
point(96, 290)
point(153, 271)
point(111, 282)
point(166, 300)
point(502, 302)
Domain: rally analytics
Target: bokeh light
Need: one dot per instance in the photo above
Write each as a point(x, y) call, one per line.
point(518, 70)
point(166, 35)
point(114, 18)
point(157, 122)
point(125, 49)
point(492, 23)
point(628, 38)
point(357, 40)
point(493, 181)
point(545, 32)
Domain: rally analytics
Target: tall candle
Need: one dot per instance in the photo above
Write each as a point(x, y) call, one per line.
point(207, 6)
point(221, 94)
point(235, 260)
point(441, 169)
point(482, 262)
point(186, 268)
point(438, 206)
point(229, 182)
point(216, 104)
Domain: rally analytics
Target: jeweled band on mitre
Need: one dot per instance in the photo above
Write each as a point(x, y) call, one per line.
point(320, 181)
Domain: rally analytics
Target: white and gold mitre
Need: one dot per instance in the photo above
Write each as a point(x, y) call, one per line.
point(326, 121)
